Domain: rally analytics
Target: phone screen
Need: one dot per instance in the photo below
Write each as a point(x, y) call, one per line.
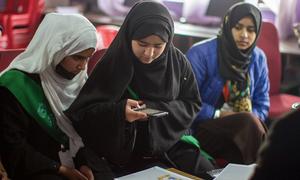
point(152, 112)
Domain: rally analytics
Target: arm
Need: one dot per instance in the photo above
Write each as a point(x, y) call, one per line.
point(261, 100)
point(101, 125)
point(200, 68)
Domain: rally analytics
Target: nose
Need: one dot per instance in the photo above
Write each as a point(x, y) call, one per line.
point(81, 66)
point(149, 52)
point(244, 33)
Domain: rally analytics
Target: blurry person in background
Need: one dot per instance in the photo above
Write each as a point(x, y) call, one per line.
point(118, 8)
point(279, 156)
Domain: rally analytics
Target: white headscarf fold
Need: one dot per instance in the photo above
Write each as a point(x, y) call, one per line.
point(58, 36)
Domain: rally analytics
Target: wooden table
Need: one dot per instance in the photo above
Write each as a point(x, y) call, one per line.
point(184, 174)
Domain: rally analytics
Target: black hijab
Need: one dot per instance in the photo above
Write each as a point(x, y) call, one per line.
point(167, 83)
point(228, 53)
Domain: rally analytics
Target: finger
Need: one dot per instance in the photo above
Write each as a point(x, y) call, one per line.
point(135, 115)
point(140, 102)
point(140, 115)
point(133, 103)
point(88, 173)
point(80, 176)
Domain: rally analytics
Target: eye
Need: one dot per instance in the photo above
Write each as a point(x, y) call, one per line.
point(158, 46)
point(251, 29)
point(142, 44)
point(238, 27)
point(79, 58)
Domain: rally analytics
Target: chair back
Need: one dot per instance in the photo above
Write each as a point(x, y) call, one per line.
point(7, 55)
point(95, 59)
point(107, 34)
point(268, 41)
point(20, 19)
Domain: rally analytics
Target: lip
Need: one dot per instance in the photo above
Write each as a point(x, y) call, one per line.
point(76, 72)
point(146, 60)
point(242, 43)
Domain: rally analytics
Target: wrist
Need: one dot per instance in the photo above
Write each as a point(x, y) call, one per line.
point(56, 168)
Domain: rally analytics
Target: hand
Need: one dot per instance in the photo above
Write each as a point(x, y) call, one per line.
point(132, 115)
point(85, 170)
point(3, 176)
point(71, 173)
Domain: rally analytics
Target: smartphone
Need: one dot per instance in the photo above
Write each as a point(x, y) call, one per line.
point(151, 112)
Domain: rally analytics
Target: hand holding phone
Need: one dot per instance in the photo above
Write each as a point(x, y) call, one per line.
point(151, 112)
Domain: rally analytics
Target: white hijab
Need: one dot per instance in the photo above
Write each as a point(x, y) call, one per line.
point(58, 36)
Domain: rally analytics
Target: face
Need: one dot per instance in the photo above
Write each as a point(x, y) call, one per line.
point(148, 49)
point(244, 33)
point(77, 62)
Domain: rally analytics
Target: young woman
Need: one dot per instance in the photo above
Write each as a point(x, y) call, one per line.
point(141, 67)
point(37, 140)
point(232, 78)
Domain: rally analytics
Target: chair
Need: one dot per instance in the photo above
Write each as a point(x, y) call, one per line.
point(268, 41)
point(107, 34)
point(94, 60)
point(20, 20)
point(7, 55)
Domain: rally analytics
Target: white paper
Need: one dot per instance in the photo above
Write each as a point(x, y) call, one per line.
point(154, 173)
point(236, 172)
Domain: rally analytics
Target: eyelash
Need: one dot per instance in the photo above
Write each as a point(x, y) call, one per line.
point(155, 46)
point(248, 29)
point(79, 58)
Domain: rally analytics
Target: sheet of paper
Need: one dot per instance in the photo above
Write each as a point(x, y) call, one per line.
point(236, 171)
point(154, 173)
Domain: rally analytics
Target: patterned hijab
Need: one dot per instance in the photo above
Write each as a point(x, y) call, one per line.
point(234, 63)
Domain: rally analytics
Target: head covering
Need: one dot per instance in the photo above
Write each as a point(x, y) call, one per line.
point(160, 84)
point(234, 63)
point(120, 58)
point(58, 36)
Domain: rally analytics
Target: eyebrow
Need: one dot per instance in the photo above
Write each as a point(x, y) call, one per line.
point(80, 56)
point(250, 26)
point(150, 43)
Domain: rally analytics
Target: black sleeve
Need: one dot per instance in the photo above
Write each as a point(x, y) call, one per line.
point(101, 127)
point(18, 156)
point(166, 131)
point(86, 156)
